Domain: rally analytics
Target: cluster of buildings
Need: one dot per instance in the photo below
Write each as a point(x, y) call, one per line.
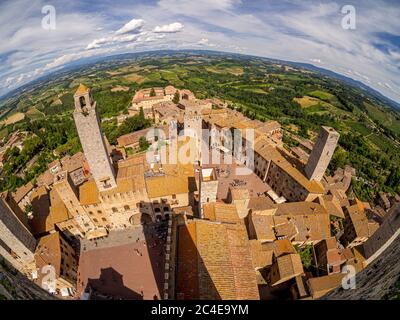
point(232, 236)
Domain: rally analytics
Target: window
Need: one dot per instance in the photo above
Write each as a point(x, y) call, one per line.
point(126, 208)
point(157, 210)
point(95, 220)
point(166, 209)
point(90, 212)
point(82, 101)
point(104, 219)
point(174, 196)
point(114, 209)
point(99, 212)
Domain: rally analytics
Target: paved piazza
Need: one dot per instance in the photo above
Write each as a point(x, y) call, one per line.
point(128, 264)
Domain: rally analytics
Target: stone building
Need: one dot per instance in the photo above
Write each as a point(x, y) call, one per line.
point(17, 245)
point(54, 252)
point(193, 121)
point(120, 207)
point(208, 186)
point(93, 143)
point(214, 259)
point(300, 222)
point(357, 228)
point(322, 153)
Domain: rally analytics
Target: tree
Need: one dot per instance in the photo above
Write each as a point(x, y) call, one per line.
point(176, 97)
point(141, 113)
point(152, 92)
point(143, 144)
point(28, 208)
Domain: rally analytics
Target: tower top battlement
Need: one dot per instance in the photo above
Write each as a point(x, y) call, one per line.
point(83, 99)
point(82, 89)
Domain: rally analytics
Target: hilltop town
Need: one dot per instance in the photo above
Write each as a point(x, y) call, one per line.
point(112, 222)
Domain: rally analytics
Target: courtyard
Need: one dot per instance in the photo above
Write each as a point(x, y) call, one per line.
point(127, 264)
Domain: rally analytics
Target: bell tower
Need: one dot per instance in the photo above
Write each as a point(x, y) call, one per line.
point(87, 123)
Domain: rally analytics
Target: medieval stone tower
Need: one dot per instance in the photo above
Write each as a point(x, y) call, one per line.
point(322, 153)
point(193, 128)
point(17, 245)
point(208, 187)
point(88, 125)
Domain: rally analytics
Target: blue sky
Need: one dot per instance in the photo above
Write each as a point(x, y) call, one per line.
point(304, 31)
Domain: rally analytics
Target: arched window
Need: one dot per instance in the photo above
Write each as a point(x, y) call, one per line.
point(82, 101)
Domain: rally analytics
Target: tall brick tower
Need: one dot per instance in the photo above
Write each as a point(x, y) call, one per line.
point(322, 153)
point(87, 122)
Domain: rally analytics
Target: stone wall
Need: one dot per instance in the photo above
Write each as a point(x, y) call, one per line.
point(322, 153)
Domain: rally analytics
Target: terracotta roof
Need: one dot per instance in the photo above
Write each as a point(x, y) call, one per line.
point(282, 247)
point(260, 203)
point(297, 221)
point(261, 254)
point(299, 208)
point(133, 137)
point(263, 226)
point(48, 210)
point(22, 192)
point(174, 179)
point(359, 221)
point(218, 211)
point(320, 286)
point(58, 210)
point(239, 193)
point(331, 204)
point(81, 89)
point(144, 95)
point(170, 90)
point(214, 262)
point(269, 126)
point(54, 163)
point(88, 193)
point(72, 163)
point(286, 230)
point(45, 179)
point(287, 266)
point(48, 252)
point(266, 150)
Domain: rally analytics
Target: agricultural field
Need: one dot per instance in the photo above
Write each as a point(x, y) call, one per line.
point(323, 95)
point(307, 101)
point(13, 118)
point(300, 99)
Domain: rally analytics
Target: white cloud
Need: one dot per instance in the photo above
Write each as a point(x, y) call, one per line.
point(306, 31)
point(134, 25)
point(169, 28)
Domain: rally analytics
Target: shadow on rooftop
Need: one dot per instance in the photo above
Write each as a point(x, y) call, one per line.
point(192, 279)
